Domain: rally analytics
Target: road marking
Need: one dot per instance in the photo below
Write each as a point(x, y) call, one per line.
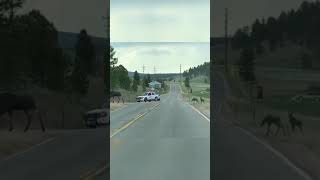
point(94, 173)
point(279, 154)
point(133, 121)
point(195, 109)
point(301, 172)
point(29, 149)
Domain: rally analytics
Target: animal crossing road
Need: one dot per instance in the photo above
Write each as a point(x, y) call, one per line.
point(171, 141)
point(69, 156)
point(237, 155)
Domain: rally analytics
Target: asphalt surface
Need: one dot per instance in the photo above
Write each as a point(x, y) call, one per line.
point(171, 141)
point(239, 156)
point(67, 157)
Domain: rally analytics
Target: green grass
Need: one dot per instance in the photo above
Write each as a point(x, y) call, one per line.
point(199, 88)
point(283, 103)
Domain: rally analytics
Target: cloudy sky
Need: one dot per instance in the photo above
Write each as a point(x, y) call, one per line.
point(73, 15)
point(244, 12)
point(160, 21)
point(165, 57)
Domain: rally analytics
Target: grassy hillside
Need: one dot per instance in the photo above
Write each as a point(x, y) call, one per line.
point(60, 110)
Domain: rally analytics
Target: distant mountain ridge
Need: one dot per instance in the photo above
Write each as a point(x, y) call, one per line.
point(130, 74)
point(68, 40)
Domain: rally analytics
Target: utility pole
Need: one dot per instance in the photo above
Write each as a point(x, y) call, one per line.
point(143, 68)
point(180, 73)
point(154, 72)
point(226, 41)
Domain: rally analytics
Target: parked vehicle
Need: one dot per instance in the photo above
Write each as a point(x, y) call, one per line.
point(97, 117)
point(148, 96)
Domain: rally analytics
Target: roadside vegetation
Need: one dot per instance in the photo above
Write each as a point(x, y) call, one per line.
point(33, 62)
point(131, 87)
point(281, 55)
point(196, 85)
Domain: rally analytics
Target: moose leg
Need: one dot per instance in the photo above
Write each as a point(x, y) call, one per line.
point(283, 130)
point(10, 121)
point(300, 127)
point(29, 118)
point(41, 121)
point(277, 130)
point(268, 130)
point(293, 127)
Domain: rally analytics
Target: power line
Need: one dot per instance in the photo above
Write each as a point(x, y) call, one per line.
point(226, 40)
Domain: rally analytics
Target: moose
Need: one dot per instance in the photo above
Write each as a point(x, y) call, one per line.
point(272, 120)
point(294, 122)
point(195, 100)
point(10, 102)
point(202, 100)
point(115, 94)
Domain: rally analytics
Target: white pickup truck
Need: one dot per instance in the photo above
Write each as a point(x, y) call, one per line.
point(148, 96)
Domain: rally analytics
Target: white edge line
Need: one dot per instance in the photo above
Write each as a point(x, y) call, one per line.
point(270, 148)
point(97, 172)
point(279, 154)
point(195, 109)
point(29, 149)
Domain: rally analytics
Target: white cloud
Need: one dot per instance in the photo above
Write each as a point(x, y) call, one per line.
point(160, 22)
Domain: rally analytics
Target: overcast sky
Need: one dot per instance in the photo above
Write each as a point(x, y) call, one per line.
point(73, 15)
point(165, 57)
point(160, 21)
point(244, 12)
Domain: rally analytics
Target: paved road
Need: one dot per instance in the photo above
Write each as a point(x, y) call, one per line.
point(239, 156)
point(171, 142)
point(67, 157)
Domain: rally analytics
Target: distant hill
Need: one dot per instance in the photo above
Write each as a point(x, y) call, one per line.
point(218, 41)
point(68, 40)
point(164, 75)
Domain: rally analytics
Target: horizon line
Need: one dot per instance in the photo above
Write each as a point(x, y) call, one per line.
point(160, 42)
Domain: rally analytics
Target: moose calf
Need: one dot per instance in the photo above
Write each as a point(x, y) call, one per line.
point(272, 120)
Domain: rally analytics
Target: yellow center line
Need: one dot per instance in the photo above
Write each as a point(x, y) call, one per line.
point(132, 121)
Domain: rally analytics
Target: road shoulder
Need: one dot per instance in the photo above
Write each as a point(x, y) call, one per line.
point(16, 142)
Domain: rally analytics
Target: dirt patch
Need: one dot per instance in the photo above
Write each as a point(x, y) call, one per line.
point(115, 106)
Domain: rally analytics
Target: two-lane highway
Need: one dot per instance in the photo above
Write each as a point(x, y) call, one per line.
point(169, 142)
point(69, 156)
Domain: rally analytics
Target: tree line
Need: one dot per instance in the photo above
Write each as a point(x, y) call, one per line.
point(200, 70)
point(119, 76)
point(301, 27)
point(30, 53)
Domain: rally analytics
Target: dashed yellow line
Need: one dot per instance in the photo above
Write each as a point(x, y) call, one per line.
point(132, 121)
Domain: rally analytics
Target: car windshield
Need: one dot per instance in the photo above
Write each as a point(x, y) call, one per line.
point(145, 94)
